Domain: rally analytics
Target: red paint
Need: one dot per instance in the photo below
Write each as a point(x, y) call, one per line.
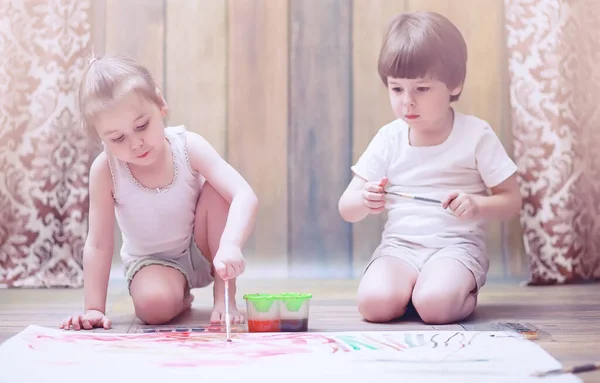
point(245, 348)
point(389, 345)
point(214, 327)
point(201, 363)
point(263, 325)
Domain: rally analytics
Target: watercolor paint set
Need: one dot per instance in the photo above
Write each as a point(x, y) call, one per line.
point(287, 312)
point(214, 328)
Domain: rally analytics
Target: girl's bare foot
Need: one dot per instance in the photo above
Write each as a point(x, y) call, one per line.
point(218, 314)
point(187, 302)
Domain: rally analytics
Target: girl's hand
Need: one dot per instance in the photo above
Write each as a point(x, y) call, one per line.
point(87, 321)
point(462, 205)
point(229, 262)
point(374, 195)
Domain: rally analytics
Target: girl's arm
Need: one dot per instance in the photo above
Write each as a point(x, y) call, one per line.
point(230, 184)
point(99, 244)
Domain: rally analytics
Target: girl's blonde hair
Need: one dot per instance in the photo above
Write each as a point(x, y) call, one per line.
point(107, 80)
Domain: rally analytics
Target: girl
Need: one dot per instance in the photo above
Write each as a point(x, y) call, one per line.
point(183, 211)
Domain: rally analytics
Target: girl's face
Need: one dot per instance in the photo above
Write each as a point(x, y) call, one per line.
point(133, 129)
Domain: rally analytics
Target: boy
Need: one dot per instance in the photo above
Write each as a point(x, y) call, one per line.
point(432, 254)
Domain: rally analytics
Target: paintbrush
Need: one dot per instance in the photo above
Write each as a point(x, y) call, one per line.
point(414, 197)
point(227, 321)
point(570, 370)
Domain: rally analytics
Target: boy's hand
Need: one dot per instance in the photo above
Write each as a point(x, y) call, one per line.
point(374, 196)
point(462, 205)
point(229, 262)
point(87, 321)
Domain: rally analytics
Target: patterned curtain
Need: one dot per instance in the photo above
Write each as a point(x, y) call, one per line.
point(44, 158)
point(554, 47)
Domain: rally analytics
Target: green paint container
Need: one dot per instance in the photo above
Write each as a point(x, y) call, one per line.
point(294, 311)
point(262, 312)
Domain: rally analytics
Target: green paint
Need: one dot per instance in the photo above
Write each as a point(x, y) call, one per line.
point(262, 302)
point(356, 344)
point(293, 301)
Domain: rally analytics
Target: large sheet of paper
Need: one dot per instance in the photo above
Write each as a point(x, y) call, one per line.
point(49, 355)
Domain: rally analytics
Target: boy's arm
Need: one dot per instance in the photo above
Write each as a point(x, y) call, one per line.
point(352, 205)
point(230, 184)
point(504, 203)
point(498, 169)
point(363, 197)
point(99, 244)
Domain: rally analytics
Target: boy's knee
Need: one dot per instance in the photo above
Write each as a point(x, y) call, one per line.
point(381, 307)
point(435, 307)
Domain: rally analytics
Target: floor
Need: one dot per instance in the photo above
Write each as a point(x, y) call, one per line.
point(566, 318)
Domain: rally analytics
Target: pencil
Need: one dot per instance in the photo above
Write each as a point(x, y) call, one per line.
point(415, 197)
point(571, 370)
point(227, 322)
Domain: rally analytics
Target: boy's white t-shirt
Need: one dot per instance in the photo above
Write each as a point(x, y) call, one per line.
point(472, 159)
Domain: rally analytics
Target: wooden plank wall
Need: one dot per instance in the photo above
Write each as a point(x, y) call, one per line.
point(287, 91)
point(258, 121)
point(320, 136)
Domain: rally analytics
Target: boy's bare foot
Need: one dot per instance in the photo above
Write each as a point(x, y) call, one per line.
point(218, 314)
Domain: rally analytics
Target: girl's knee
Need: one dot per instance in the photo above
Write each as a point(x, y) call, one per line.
point(156, 306)
point(211, 207)
point(210, 199)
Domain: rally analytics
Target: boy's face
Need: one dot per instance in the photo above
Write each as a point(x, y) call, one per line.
point(133, 129)
point(423, 103)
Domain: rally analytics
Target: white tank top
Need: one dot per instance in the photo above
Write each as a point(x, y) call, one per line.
point(160, 221)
